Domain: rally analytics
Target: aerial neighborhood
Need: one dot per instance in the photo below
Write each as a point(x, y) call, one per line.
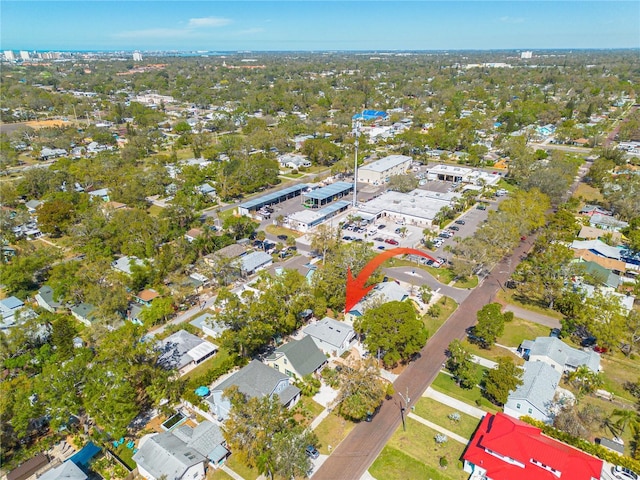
point(328, 265)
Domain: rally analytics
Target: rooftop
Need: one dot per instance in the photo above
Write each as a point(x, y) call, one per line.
point(386, 163)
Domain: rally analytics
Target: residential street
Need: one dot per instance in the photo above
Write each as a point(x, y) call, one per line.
point(356, 453)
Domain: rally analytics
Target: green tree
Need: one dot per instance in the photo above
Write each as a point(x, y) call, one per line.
point(361, 389)
point(504, 378)
point(394, 330)
point(402, 183)
point(460, 364)
point(158, 312)
point(490, 324)
point(585, 380)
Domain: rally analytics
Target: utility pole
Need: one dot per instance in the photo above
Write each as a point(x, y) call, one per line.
point(403, 407)
point(356, 133)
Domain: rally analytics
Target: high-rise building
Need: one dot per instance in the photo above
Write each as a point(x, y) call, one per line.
point(24, 55)
point(526, 54)
point(9, 55)
point(137, 57)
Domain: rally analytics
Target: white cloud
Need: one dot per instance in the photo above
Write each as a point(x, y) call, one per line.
point(512, 19)
point(193, 27)
point(208, 22)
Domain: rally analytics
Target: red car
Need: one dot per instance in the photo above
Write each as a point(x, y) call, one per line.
point(391, 241)
point(599, 349)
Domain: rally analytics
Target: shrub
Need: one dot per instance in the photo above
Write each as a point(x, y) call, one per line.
point(444, 462)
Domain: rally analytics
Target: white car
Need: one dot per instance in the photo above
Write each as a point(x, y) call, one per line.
point(623, 473)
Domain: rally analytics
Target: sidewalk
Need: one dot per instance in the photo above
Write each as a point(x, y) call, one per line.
point(454, 403)
point(438, 428)
point(231, 473)
point(483, 361)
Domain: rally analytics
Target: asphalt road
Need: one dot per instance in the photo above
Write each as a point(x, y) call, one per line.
point(356, 453)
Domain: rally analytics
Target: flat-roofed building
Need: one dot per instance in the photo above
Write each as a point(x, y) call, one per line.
point(378, 172)
point(418, 207)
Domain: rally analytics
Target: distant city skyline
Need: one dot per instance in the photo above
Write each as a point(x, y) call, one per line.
point(308, 25)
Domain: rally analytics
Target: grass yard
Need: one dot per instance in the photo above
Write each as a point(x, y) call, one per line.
point(208, 364)
point(415, 454)
point(518, 330)
point(437, 413)
point(126, 455)
point(511, 296)
point(618, 369)
point(154, 210)
point(473, 396)
point(467, 282)
point(447, 307)
point(493, 353)
point(331, 431)
point(588, 193)
point(306, 410)
point(275, 230)
point(217, 474)
point(245, 471)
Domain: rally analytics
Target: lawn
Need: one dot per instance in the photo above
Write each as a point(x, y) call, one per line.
point(473, 396)
point(512, 297)
point(618, 369)
point(331, 431)
point(208, 364)
point(415, 454)
point(154, 210)
point(447, 307)
point(126, 455)
point(437, 413)
point(588, 193)
point(275, 230)
point(306, 410)
point(217, 474)
point(492, 353)
point(245, 471)
point(467, 282)
point(518, 330)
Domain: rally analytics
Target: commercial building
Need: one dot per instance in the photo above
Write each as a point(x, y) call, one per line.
point(452, 173)
point(252, 206)
point(378, 172)
point(305, 220)
point(418, 207)
point(322, 196)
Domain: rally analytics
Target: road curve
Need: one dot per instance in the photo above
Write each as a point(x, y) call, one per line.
point(351, 459)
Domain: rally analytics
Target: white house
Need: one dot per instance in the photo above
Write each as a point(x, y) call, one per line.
point(331, 336)
point(535, 396)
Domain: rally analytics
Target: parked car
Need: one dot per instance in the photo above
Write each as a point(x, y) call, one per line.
point(623, 473)
point(312, 451)
point(379, 239)
point(381, 247)
point(481, 206)
point(599, 349)
point(391, 241)
point(460, 222)
point(454, 228)
point(283, 237)
point(555, 332)
point(588, 342)
point(380, 227)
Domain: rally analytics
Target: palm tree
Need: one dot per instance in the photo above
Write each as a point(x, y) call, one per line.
point(624, 418)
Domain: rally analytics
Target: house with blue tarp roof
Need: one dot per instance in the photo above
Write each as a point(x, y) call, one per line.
point(369, 115)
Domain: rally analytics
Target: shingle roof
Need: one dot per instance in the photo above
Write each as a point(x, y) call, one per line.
point(257, 380)
point(597, 246)
point(46, 293)
point(330, 331)
point(167, 455)
point(563, 354)
point(539, 382)
point(255, 260)
point(182, 348)
point(304, 355)
point(205, 437)
point(67, 471)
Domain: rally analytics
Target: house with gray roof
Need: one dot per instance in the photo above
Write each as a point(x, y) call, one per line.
point(558, 355)
point(534, 397)
point(183, 351)
point(606, 222)
point(84, 312)
point(206, 438)
point(45, 299)
point(124, 264)
point(297, 358)
point(255, 380)
point(331, 336)
point(65, 471)
point(207, 324)
point(33, 205)
point(13, 311)
point(166, 456)
point(382, 293)
point(254, 261)
point(598, 247)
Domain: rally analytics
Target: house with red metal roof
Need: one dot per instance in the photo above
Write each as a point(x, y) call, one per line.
point(504, 448)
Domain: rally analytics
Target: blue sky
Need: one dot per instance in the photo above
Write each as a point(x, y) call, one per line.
point(317, 25)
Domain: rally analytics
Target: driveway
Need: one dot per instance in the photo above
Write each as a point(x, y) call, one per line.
point(421, 277)
point(534, 317)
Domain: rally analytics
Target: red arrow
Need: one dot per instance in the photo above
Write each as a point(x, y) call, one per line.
point(355, 286)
